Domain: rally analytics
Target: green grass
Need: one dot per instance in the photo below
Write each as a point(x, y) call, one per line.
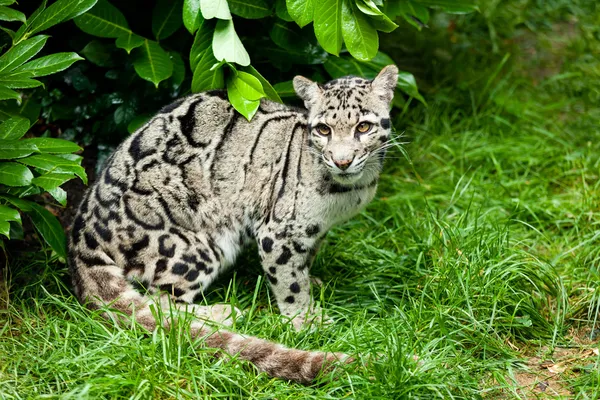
point(480, 254)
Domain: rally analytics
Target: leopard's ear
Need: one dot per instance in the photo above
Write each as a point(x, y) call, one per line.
point(384, 83)
point(307, 90)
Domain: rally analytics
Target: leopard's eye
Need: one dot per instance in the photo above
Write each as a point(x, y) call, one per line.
point(323, 129)
point(364, 127)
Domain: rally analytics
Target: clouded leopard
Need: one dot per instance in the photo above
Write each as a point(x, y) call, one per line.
point(180, 198)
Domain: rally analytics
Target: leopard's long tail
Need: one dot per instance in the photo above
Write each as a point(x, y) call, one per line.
point(102, 283)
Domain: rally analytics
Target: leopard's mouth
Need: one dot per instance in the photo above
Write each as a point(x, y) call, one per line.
point(347, 178)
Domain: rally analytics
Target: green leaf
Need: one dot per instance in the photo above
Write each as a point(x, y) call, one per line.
point(227, 45)
point(328, 25)
point(269, 90)
point(9, 214)
point(192, 16)
point(285, 89)
point(282, 12)
point(52, 180)
point(202, 59)
point(98, 53)
point(7, 2)
point(250, 9)
point(408, 84)
point(301, 11)
point(243, 105)
point(178, 68)
point(14, 128)
point(166, 18)
point(138, 121)
point(152, 63)
point(21, 204)
point(129, 41)
point(361, 38)
point(18, 83)
point(378, 19)
point(23, 30)
point(10, 149)
point(58, 12)
point(49, 229)
point(50, 64)
point(21, 52)
point(8, 14)
point(4, 230)
point(55, 164)
point(103, 20)
point(59, 195)
point(249, 86)
point(414, 13)
point(53, 146)
point(125, 113)
point(451, 6)
point(13, 174)
point(7, 94)
point(215, 9)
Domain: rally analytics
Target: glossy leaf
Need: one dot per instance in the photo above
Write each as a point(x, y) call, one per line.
point(8, 214)
point(21, 53)
point(268, 90)
point(285, 89)
point(49, 229)
point(408, 84)
point(14, 128)
point(7, 2)
point(19, 83)
point(8, 14)
point(192, 16)
point(55, 164)
point(98, 53)
point(14, 174)
point(53, 146)
point(138, 121)
point(58, 12)
point(249, 86)
point(302, 11)
point(215, 9)
point(328, 24)
point(202, 59)
point(129, 41)
point(60, 195)
point(52, 180)
point(377, 18)
point(282, 12)
point(10, 149)
point(359, 35)
point(7, 94)
point(227, 45)
point(103, 20)
point(250, 9)
point(152, 63)
point(178, 68)
point(166, 18)
point(244, 106)
point(50, 64)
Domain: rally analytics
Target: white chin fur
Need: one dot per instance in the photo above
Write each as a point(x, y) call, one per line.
point(345, 179)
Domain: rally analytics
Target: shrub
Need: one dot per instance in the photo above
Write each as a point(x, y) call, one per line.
point(32, 166)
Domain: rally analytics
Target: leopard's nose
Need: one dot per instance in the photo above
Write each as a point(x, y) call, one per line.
point(342, 164)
